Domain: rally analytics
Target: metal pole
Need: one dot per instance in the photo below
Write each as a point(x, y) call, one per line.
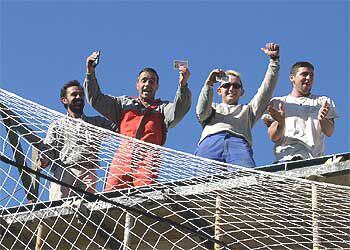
point(218, 228)
point(129, 223)
point(315, 226)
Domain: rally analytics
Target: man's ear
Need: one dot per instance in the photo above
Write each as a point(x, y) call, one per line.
point(64, 100)
point(291, 78)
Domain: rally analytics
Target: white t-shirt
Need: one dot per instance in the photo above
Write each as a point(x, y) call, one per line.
point(303, 135)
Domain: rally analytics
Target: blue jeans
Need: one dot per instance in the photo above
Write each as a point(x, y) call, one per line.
point(228, 148)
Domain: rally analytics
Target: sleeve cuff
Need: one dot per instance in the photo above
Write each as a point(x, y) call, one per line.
point(90, 75)
point(183, 86)
point(275, 61)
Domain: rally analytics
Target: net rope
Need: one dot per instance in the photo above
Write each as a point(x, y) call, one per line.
point(192, 203)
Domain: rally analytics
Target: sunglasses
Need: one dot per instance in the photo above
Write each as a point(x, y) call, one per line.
point(228, 85)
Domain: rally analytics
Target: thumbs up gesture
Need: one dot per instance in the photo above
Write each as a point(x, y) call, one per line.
point(322, 113)
point(272, 50)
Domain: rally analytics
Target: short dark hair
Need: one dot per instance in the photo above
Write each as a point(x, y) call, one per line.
point(69, 84)
point(298, 65)
point(149, 70)
point(66, 86)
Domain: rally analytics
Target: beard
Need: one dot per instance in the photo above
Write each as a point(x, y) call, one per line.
point(76, 107)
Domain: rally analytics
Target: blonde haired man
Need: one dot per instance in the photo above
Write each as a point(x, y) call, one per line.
point(227, 126)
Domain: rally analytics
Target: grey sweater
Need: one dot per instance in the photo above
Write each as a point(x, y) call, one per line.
point(72, 147)
point(236, 119)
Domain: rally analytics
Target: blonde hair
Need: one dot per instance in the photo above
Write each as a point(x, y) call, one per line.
point(234, 73)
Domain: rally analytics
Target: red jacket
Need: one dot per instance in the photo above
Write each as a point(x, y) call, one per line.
point(146, 125)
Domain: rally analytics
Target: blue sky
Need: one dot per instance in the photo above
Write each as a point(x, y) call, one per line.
point(45, 43)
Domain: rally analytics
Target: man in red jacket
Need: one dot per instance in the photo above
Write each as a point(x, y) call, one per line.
point(142, 117)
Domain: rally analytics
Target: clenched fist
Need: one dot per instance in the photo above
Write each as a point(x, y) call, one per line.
point(272, 50)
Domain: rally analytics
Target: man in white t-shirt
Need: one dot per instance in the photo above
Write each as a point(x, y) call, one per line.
point(298, 122)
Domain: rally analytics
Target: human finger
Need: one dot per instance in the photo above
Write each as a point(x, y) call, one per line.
point(91, 57)
point(325, 111)
point(281, 107)
point(325, 104)
point(269, 46)
point(270, 109)
point(264, 50)
point(217, 71)
point(323, 115)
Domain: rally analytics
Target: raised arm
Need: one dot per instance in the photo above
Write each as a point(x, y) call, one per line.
point(175, 111)
point(262, 97)
point(104, 104)
point(204, 107)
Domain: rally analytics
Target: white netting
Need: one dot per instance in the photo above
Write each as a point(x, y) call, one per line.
point(193, 203)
